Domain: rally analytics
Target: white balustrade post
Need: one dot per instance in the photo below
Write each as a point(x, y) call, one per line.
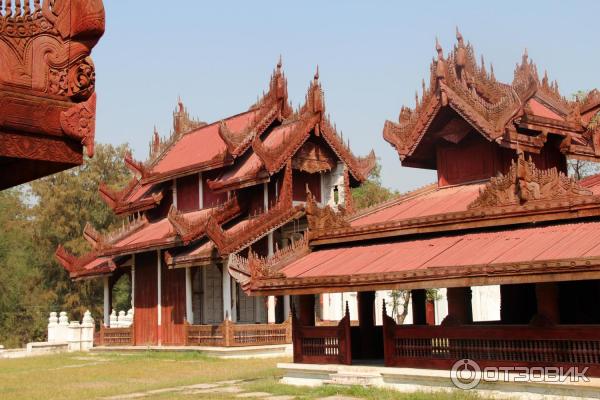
point(121, 319)
point(74, 339)
point(62, 331)
point(87, 331)
point(129, 318)
point(52, 327)
point(114, 320)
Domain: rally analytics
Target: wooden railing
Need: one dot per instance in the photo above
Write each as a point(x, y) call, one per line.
point(322, 344)
point(491, 345)
point(229, 334)
point(116, 336)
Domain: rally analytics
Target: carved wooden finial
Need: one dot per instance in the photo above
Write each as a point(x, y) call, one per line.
point(439, 49)
point(279, 63)
point(317, 73)
point(459, 37)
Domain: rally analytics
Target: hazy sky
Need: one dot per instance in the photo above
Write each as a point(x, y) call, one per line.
point(218, 56)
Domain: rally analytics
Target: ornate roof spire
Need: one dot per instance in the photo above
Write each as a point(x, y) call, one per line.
point(439, 49)
point(459, 37)
point(317, 74)
point(279, 63)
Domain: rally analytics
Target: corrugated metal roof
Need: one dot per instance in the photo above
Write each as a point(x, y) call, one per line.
point(487, 248)
point(439, 201)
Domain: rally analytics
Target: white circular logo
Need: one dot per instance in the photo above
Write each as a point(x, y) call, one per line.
point(465, 374)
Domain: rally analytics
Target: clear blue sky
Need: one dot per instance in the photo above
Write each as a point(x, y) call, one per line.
point(372, 55)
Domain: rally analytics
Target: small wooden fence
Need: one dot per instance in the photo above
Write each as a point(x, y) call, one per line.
point(115, 336)
point(229, 334)
point(322, 344)
point(491, 345)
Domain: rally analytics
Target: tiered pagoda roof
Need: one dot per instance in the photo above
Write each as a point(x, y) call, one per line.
point(525, 224)
point(519, 114)
point(240, 151)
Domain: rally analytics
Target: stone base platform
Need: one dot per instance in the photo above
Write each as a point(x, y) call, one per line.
point(428, 380)
point(268, 351)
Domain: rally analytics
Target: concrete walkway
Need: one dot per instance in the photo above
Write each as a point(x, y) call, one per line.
point(208, 390)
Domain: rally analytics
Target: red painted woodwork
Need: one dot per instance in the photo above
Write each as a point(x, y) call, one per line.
point(419, 313)
point(146, 291)
point(459, 305)
point(430, 312)
point(547, 302)
point(210, 198)
point(188, 193)
point(307, 310)
point(173, 306)
point(322, 344)
point(491, 345)
point(47, 103)
point(301, 180)
point(472, 159)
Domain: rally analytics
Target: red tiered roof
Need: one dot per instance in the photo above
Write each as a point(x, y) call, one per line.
point(525, 221)
point(247, 149)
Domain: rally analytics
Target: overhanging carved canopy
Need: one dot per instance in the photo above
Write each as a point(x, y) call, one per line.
point(47, 80)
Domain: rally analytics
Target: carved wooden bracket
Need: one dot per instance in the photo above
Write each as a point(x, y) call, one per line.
point(524, 182)
point(321, 219)
point(79, 122)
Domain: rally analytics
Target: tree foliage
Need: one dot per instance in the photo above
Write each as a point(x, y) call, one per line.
point(372, 191)
point(35, 219)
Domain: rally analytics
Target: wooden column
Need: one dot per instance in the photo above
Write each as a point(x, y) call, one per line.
point(133, 283)
point(459, 305)
point(547, 302)
point(159, 295)
point(106, 279)
point(226, 294)
point(419, 311)
point(366, 323)
point(307, 309)
point(189, 313)
point(286, 307)
point(271, 309)
point(517, 303)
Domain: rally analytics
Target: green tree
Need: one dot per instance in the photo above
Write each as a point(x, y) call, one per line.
point(371, 192)
point(63, 203)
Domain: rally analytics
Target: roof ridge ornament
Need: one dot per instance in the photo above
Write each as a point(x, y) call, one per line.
point(524, 182)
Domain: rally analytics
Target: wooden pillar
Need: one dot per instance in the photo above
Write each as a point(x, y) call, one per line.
point(366, 326)
point(307, 309)
point(419, 311)
point(271, 309)
point(459, 305)
point(133, 283)
point(189, 313)
point(517, 303)
point(226, 295)
point(286, 307)
point(106, 279)
point(159, 295)
point(547, 302)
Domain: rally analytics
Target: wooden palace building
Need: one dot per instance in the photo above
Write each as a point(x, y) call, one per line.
point(502, 212)
point(206, 193)
point(47, 83)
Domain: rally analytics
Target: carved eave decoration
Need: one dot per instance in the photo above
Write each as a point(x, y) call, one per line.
point(247, 271)
point(260, 225)
point(75, 265)
point(313, 158)
point(103, 243)
point(47, 83)
point(117, 199)
point(493, 108)
point(524, 182)
point(323, 219)
point(192, 229)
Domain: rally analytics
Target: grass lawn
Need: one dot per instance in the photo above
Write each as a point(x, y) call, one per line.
point(94, 375)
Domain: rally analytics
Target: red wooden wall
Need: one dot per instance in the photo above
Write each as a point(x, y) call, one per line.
point(146, 290)
point(173, 306)
point(211, 198)
point(299, 181)
point(188, 193)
